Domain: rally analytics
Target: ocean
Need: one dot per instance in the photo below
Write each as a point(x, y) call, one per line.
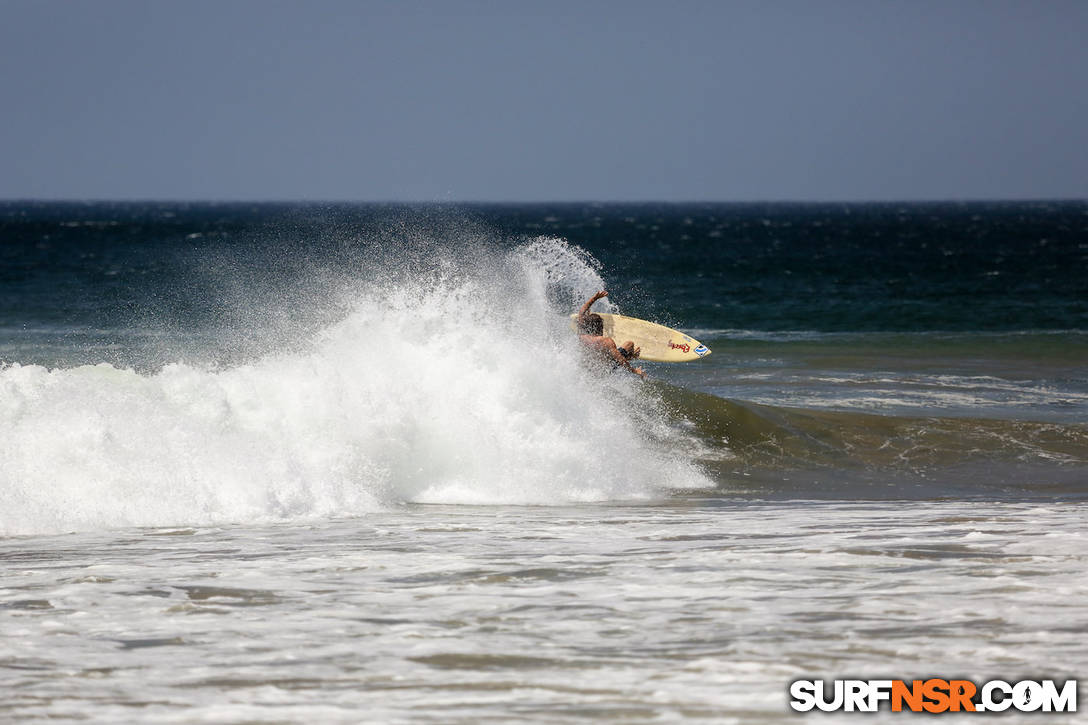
point(346, 462)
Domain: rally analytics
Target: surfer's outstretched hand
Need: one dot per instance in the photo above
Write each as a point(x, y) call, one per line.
point(589, 303)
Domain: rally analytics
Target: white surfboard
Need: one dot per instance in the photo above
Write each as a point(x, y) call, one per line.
point(658, 343)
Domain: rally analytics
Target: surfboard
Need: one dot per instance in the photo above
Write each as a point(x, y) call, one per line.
point(658, 343)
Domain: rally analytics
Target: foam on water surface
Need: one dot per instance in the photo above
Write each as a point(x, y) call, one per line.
point(461, 614)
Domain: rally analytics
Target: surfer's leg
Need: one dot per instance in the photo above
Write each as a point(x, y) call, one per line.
point(629, 351)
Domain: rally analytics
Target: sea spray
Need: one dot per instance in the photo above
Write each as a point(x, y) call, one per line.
point(459, 383)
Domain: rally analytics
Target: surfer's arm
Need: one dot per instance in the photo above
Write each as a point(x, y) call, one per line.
point(589, 303)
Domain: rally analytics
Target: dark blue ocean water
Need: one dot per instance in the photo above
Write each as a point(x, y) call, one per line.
point(771, 267)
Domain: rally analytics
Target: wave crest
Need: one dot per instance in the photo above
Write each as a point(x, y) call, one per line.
point(458, 384)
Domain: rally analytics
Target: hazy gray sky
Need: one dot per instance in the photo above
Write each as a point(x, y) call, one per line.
point(551, 100)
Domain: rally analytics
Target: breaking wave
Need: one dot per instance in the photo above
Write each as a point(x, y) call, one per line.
point(453, 381)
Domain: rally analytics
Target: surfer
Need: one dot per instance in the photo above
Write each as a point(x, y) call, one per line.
point(591, 333)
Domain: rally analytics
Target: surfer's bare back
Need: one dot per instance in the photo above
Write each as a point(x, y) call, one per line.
point(591, 333)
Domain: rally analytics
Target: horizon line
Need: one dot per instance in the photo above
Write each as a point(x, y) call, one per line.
point(480, 202)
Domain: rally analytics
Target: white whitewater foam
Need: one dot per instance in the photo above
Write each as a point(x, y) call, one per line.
point(462, 387)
